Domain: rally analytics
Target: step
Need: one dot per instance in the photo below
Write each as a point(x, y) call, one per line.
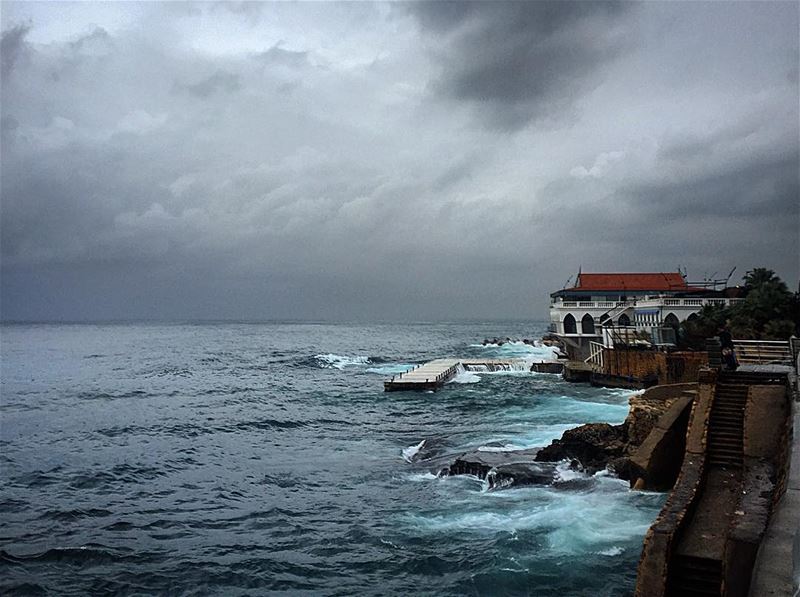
point(729, 406)
point(724, 449)
point(733, 445)
point(728, 466)
point(729, 400)
point(725, 430)
point(687, 590)
point(720, 440)
point(697, 582)
point(725, 434)
point(729, 453)
point(722, 417)
point(697, 563)
point(725, 457)
point(723, 390)
point(726, 425)
point(732, 463)
point(735, 386)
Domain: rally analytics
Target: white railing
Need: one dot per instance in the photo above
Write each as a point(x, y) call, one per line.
point(596, 355)
point(753, 352)
point(645, 302)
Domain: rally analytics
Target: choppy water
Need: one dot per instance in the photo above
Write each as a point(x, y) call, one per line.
point(249, 458)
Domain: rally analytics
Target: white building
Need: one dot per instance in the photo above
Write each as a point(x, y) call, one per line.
point(603, 307)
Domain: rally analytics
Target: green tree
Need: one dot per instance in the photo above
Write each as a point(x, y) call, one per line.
point(769, 312)
point(766, 312)
point(694, 331)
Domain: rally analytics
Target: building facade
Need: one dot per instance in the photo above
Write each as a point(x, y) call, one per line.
point(604, 308)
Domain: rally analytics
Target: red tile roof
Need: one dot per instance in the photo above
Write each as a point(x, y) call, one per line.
point(657, 282)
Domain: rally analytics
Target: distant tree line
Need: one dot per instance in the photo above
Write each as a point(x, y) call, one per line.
point(769, 311)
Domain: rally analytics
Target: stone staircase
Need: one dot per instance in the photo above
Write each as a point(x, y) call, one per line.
point(726, 425)
point(694, 577)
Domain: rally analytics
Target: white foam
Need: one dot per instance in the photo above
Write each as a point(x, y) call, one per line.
point(507, 447)
point(574, 523)
point(565, 472)
point(419, 477)
point(611, 551)
point(464, 376)
point(411, 451)
point(537, 351)
point(390, 369)
point(337, 361)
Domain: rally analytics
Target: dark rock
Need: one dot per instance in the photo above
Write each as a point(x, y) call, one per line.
point(594, 445)
point(510, 469)
point(480, 462)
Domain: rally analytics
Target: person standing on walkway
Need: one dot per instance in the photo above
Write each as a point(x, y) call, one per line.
point(728, 349)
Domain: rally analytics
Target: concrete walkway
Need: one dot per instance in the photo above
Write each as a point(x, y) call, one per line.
point(776, 570)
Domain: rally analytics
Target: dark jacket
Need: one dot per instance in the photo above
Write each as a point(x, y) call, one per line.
point(725, 339)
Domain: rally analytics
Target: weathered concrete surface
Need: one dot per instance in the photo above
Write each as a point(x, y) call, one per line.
point(657, 460)
point(651, 580)
point(698, 422)
point(766, 406)
point(647, 408)
point(705, 537)
point(775, 572)
point(659, 541)
point(748, 524)
point(548, 367)
point(577, 371)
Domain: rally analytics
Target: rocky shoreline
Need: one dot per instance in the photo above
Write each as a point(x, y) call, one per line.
point(627, 450)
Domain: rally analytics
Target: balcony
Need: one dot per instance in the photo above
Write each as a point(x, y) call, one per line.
point(652, 302)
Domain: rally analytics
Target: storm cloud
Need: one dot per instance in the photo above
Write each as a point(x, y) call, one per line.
point(518, 61)
point(386, 161)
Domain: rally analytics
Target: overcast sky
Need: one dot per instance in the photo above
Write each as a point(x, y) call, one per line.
point(387, 161)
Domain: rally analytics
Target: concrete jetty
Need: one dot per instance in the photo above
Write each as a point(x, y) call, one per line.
point(434, 374)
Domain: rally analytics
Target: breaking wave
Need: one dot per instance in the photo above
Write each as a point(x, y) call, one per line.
point(390, 369)
point(465, 376)
point(336, 361)
point(518, 349)
point(411, 451)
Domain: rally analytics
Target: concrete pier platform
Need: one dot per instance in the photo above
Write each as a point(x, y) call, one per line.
point(434, 374)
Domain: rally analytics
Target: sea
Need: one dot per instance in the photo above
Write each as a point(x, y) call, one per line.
point(239, 458)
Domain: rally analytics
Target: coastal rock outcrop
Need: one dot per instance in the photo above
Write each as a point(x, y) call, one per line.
point(642, 447)
point(598, 446)
point(594, 445)
point(513, 468)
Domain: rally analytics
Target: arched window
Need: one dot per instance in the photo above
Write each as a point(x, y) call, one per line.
point(570, 325)
point(587, 324)
point(624, 320)
point(671, 321)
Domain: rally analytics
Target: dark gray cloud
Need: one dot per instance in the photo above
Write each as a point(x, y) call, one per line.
point(758, 188)
point(220, 81)
point(96, 42)
point(519, 61)
point(11, 45)
point(280, 56)
point(334, 169)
